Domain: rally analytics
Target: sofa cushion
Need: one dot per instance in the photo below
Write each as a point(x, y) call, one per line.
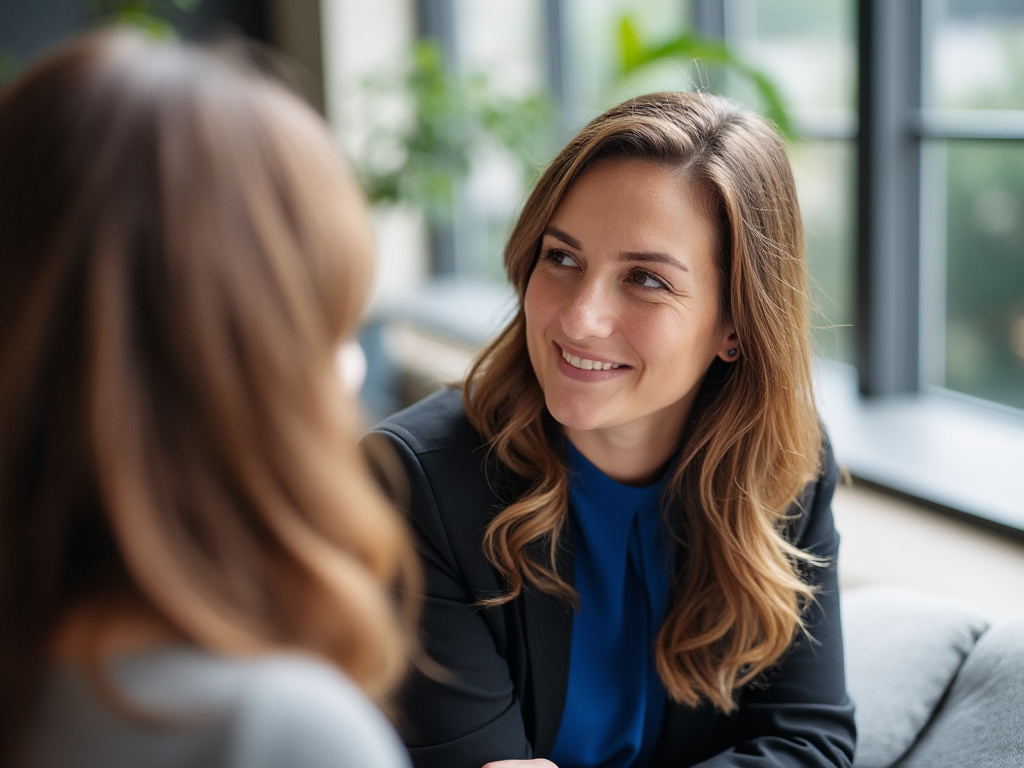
point(981, 722)
point(903, 649)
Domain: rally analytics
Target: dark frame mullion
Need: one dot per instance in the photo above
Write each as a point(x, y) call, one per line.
point(559, 70)
point(887, 337)
point(708, 17)
point(435, 20)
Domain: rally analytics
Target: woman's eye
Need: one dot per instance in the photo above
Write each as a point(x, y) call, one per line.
point(560, 258)
point(646, 279)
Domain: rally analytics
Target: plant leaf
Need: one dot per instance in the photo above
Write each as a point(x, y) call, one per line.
point(631, 48)
point(635, 54)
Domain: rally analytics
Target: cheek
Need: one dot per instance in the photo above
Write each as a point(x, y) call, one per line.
point(539, 306)
point(532, 312)
point(674, 346)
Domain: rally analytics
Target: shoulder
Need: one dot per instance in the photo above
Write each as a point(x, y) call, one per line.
point(298, 711)
point(282, 710)
point(444, 457)
point(438, 422)
point(451, 486)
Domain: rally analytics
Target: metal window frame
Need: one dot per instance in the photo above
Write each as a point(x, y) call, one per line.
point(884, 411)
point(436, 20)
point(888, 255)
point(439, 20)
point(894, 294)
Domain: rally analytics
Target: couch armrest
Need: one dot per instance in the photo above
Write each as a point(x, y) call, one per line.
point(981, 721)
point(903, 651)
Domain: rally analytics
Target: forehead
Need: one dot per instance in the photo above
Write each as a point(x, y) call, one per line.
point(631, 179)
point(637, 204)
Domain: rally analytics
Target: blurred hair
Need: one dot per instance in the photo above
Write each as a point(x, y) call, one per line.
point(753, 439)
point(182, 251)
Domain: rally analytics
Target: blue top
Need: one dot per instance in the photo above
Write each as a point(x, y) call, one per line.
point(615, 700)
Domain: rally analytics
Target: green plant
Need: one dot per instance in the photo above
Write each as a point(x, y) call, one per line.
point(8, 67)
point(154, 16)
point(424, 126)
point(637, 54)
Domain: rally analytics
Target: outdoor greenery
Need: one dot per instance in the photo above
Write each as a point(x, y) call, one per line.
point(154, 16)
point(985, 263)
point(424, 126)
point(419, 154)
point(636, 54)
point(8, 66)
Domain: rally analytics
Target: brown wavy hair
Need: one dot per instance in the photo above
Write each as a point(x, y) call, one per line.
point(752, 441)
point(182, 250)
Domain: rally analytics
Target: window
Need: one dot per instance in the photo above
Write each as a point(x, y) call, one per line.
point(972, 127)
point(934, 293)
point(506, 41)
point(910, 170)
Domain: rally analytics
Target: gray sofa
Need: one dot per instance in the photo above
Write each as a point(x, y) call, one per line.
point(936, 684)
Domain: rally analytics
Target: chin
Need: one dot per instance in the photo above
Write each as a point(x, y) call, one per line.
point(572, 416)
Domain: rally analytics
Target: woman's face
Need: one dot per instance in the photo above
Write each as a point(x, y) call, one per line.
point(622, 308)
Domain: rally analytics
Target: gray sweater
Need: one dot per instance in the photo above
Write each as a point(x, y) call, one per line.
point(197, 710)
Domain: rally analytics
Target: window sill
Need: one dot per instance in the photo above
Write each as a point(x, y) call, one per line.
point(953, 455)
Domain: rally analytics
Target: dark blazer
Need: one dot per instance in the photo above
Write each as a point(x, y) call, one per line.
point(508, 666)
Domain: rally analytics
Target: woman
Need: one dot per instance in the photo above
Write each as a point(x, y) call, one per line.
point(625, 518)
point(196, 569)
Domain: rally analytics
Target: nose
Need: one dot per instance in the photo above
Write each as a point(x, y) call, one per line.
point(589, 313)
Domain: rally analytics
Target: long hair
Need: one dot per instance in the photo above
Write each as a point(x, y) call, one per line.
point(752, 441)
point(182, 250)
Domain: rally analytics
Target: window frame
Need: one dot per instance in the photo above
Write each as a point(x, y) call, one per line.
point(891, 343)
point(893, 430)
point(881, 412)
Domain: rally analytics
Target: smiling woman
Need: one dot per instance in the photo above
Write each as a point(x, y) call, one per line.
point(626, 517)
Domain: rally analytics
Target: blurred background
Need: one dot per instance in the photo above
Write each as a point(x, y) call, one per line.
point(905, 122)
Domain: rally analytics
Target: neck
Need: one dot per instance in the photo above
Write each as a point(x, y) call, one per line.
point(629, 456)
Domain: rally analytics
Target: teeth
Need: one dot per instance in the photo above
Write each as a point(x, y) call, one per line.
point(587, 365)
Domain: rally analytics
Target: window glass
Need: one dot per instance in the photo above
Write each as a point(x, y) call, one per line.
point(972, 223)
point(980, 216)
point(508, 43)
point(592, 50)
point(505, 40)
point(824, 172)
point(973, 54)
point(808, 49)
point(505, 43)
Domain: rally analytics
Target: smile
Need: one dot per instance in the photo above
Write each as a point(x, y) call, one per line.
point(587, 365)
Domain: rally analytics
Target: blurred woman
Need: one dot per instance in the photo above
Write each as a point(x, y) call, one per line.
point(625, 514)
point(195, 566)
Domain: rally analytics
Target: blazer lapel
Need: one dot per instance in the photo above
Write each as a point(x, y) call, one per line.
point(547, 629)
point(548, 625)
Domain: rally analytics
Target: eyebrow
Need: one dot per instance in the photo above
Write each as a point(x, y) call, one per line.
point(566, 238)
point(655, 256)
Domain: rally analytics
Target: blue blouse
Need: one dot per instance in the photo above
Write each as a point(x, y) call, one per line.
point(615, 700)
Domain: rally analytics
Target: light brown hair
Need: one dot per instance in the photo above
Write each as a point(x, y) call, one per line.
point(182, 250)
point(752, 441)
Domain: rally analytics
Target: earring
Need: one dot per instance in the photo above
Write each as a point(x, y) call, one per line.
point(732, 352)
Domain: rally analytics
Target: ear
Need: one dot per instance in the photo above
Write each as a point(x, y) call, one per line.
point(729, 348)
